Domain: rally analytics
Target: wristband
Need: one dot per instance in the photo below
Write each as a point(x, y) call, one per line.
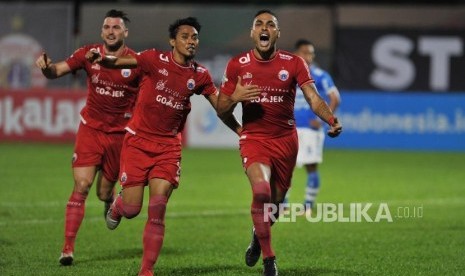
point(332, 121)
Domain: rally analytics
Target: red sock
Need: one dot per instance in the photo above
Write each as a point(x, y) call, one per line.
point(154, 232)
point(117, 205)
point(261, 195)
point(120, 209)
point(73, 218)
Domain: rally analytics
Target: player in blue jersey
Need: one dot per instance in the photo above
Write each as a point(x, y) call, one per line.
point(310, 129)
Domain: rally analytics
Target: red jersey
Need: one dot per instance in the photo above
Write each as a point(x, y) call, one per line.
point(111, 93)
point(272, 115)
point(164, 97)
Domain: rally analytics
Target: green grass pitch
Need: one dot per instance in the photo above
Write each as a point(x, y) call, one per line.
point(208, 219)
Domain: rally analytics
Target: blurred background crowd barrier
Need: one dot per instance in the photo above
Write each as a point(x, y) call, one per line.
point(399, 68)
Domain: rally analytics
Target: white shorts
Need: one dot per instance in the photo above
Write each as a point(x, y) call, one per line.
point(310, 146)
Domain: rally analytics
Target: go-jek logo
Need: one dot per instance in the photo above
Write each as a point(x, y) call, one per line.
point(268, 99)
point(169, 102)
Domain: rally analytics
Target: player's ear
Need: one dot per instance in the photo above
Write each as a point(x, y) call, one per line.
point(279, 33)
point(172, 42)
point(251, 33)
point(126, 32)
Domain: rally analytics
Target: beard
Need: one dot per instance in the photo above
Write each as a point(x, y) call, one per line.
point(115, 46)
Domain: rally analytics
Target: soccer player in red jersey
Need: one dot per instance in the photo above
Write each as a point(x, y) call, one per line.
point(151, 153)
point(110, 102)
point(268, 141)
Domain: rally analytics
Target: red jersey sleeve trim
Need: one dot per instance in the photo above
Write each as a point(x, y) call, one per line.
point(309, 81)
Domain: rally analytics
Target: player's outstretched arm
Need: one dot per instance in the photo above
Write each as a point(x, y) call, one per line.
point(321, 109)
point(52, 70)
point(93, 56)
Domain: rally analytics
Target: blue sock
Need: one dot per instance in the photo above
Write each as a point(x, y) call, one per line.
point(313, 186)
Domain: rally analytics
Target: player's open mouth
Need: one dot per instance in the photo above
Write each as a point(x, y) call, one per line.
point(264, 40)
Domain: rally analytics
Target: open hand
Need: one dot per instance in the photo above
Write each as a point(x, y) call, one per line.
point(245, 93)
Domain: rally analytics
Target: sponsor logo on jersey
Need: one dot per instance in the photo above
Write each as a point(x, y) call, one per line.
point(244, 59)
point(247, 76)
point(265, 98)
point(161, 84)
point(290, 122)
point(190, 84)
point(169, 101)
point(164, 72)
point(108, 91)
point(283, 75)
point(125, 73)
point(284, 56)
point(124, 177)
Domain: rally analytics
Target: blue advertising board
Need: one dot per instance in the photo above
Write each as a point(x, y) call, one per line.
point(401, 121)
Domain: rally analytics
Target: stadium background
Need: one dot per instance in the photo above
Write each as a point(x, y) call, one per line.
point(399, 68)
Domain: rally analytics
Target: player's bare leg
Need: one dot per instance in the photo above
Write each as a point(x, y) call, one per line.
point(75, 208)
point(105, 191)
point(154, 231)
point(127, 204)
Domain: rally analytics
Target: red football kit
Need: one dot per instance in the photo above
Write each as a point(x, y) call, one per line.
point(152, 147)
point(111, 96)
point(269, 134)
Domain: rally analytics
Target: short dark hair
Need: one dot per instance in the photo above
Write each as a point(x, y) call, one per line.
point(301, 42)
point(118, 14)
point(265, 11)
point(190, 21)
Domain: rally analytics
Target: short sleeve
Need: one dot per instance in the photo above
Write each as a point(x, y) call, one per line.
point(302, 72)
point(145, 59)
point(229, 81)
point(207, 87)
point(77, 60)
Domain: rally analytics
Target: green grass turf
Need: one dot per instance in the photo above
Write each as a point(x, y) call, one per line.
point(208, 222)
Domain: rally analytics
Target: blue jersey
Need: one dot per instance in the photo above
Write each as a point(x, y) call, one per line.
point(324, 84)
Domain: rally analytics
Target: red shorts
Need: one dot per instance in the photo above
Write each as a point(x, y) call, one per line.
point(142, 160)
point(278, 153)
point(97, 148)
